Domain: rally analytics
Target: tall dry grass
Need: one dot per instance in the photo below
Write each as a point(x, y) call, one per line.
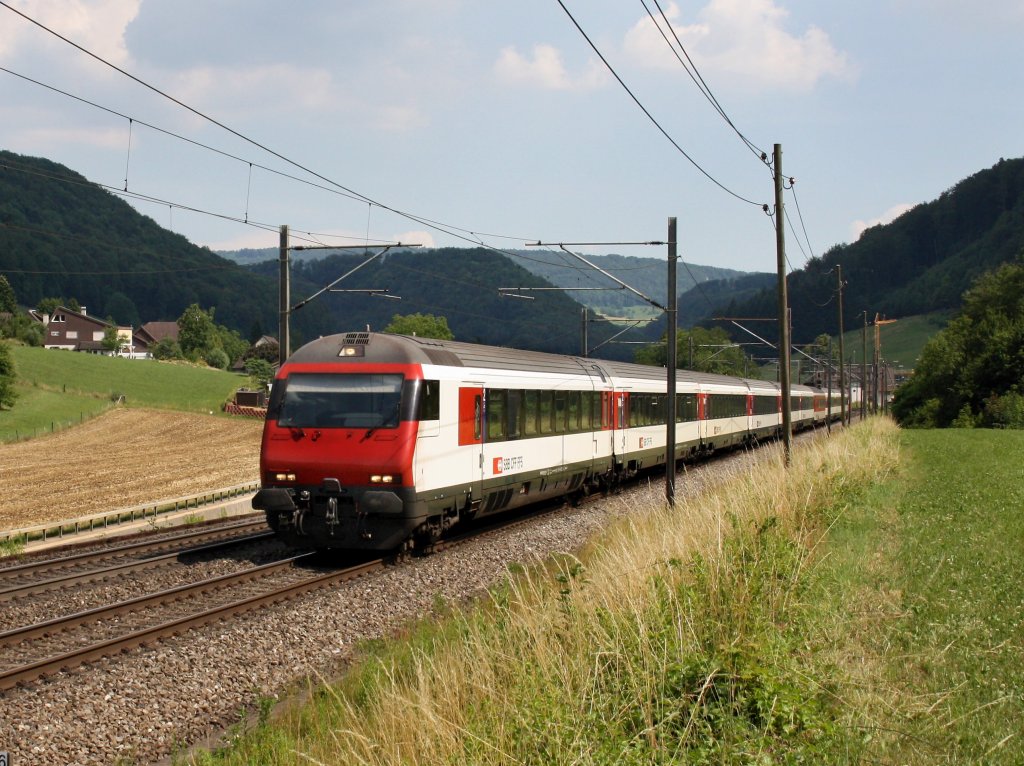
point(680, 635)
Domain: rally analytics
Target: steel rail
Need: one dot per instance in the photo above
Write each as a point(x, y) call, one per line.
point(105, 573)
point(12, 677)
point(145, 546)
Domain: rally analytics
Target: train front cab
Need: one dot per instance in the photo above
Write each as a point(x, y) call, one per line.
point(337, 454)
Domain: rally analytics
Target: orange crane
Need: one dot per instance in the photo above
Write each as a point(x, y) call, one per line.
point(878, 358)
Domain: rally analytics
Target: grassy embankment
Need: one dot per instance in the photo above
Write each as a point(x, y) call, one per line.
point(59, 388)
point(855, 610)
point(902, 340)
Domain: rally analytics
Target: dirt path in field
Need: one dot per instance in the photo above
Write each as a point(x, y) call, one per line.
point(122, 458)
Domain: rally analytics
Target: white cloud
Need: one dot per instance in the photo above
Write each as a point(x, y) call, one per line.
point(859, 227)
point(38, 139)
point(745, 40)
point(416, 237)
point(545, 69)
point(96, 25)
point(252, 88)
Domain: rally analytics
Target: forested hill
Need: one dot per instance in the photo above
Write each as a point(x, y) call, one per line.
point(62, 236)
point(922, 262)
point(648, 275)
point(460, 284)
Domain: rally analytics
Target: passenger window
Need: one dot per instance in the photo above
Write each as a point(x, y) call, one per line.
point(430, 400)
point(546, 411)
point(559, 413)
point(495, 415)
point(530, 413)
point(573, 400)
point(515, 413)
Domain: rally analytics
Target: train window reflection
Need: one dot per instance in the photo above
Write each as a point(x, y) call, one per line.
point(329, 400)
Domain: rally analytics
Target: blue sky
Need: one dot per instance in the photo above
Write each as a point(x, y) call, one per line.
point(498, 118)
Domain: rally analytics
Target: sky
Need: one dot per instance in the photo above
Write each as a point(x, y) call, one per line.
point(498, 122)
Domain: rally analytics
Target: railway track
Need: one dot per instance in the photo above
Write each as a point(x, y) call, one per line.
point(38, 575)
point(33, 652)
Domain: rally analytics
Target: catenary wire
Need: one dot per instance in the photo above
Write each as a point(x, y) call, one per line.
point(800, 215)
point(311, 237)
point(445, 228)
point(695, 75)
point(439, 226)
point(650, 116)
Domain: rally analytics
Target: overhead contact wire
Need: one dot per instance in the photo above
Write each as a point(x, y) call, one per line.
point(650, 116)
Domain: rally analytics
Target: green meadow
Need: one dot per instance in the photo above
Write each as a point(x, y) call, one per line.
point(58, 389)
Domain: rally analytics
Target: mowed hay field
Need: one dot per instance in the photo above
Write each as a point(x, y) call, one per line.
point(122, 458)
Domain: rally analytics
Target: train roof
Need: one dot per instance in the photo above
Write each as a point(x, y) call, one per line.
point(385, 348)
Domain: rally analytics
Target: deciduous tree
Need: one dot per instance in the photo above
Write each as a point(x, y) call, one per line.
point(197, 334)
point(8, 301)
point(7, 377)
point(421, 325)
point(973, 371)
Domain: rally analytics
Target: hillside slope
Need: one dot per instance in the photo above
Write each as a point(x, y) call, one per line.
point(920, 263)
point(461, 284)
point(63, 236)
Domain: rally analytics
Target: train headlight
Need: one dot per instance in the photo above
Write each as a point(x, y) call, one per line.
point(283, 476)
point(385, 478)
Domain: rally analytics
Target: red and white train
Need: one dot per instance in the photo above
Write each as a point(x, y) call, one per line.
point(377, 441)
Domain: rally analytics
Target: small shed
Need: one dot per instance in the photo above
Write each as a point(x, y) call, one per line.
point(247, 397)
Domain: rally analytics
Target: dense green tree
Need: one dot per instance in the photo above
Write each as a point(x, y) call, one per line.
point(166, 348)
point(111, 339)
point(232, 343)
point(159, 271)
point(255, 331)
point(13, 322)
point(701, 349)
point(197, 334)
point(973, 371)
point(269, 352)
point(122, 309)
point(49, 305)
point(8, 375)
point(260, 372)
point(217, 359)
point(922, 262)
point(421, 325)
point(8, 301)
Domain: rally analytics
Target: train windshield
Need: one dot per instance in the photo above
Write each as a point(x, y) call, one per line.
point(330, 400)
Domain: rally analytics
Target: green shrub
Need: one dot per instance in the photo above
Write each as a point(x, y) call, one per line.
point(217, 359)
point(166, 348)
point(1006, 411)
point(965, 418)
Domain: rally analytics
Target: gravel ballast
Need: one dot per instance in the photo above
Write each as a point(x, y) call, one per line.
point(145, 705)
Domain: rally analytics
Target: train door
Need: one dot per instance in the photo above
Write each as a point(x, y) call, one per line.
point(471, 435)
point(620, 420)
point(702, 418)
